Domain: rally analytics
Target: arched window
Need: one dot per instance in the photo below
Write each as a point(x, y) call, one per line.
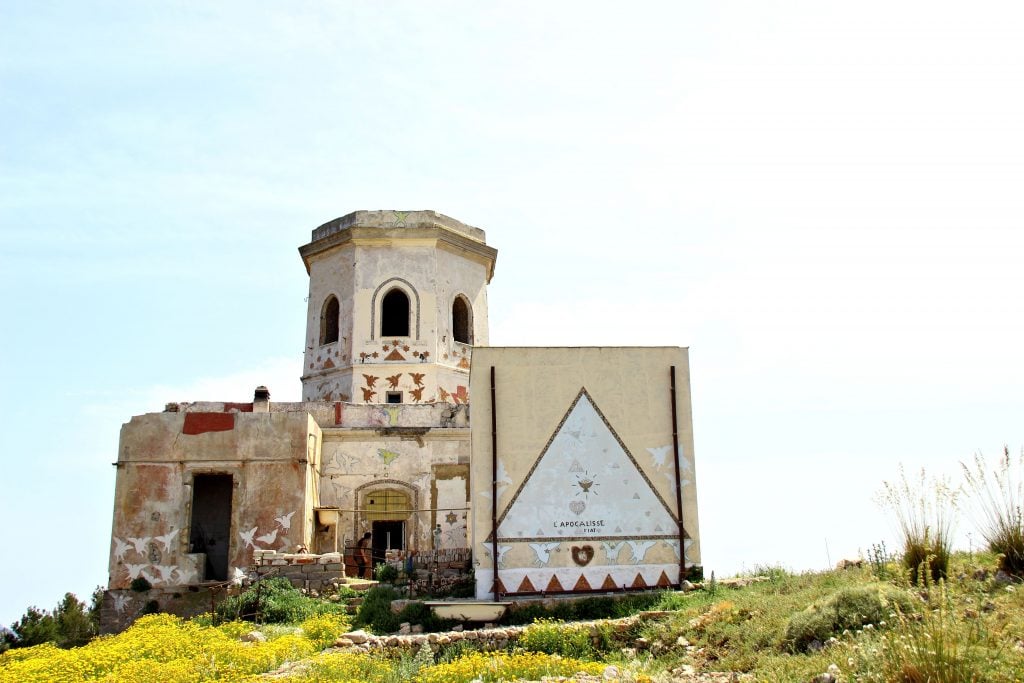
point(462, 321)
point(394, 314)
point(329, 321)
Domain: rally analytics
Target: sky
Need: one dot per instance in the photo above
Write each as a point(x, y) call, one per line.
point(822, 200)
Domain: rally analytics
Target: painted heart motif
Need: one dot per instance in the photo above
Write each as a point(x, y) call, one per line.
point(582, 555)
point(577, 506)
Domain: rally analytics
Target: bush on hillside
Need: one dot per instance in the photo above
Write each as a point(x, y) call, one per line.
point(924, 509)
point(849, 608)
point(275, 601)
point(997, 508)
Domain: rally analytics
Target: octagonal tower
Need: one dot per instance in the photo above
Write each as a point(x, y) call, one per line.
point(397, 300)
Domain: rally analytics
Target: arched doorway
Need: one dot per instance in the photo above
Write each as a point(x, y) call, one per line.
point(386, 511)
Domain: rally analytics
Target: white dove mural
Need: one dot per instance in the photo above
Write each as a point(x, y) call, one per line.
point(120, 548)
point(285, 521)
point(267, 539)
point(167, 539)
point(640, 549)
point(140, 544)
point(543, 551)
point(247, 536)
point(135, 570)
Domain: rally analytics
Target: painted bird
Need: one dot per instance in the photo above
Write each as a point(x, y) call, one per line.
point(639, 549)
point(166, 572)
point(543, 551)
point(140, 544)
point(393, 380)
point(659, 454)
point(167, 539)
point(134, 570)
point(120, 601)
point(285, 521)
point(368, 394)
point(371, 380)
point(120, 548)
point(247, 536)
point(611, 550)
point(268, 538)
point(417, 394)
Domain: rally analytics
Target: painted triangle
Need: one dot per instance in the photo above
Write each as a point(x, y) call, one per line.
point(394, 355)
point(526, 586)
point(499, 586)
point(608, 584)
point(663, 581)
point(554, 585)
point(639, 582)
point(582, 584)
point(540, 498)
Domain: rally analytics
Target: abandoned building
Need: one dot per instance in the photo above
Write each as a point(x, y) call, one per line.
point(571, 450)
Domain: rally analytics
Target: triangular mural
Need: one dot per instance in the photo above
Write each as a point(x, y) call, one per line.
point(585, 485)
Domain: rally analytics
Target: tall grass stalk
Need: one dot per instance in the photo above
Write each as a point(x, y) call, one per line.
point(996, 509)
point(925, 512)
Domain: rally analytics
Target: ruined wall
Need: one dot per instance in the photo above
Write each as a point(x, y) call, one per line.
point(586, 474)
point(272, 458)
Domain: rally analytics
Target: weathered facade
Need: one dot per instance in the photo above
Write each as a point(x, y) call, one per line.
point(583, 477)
point(381, 441)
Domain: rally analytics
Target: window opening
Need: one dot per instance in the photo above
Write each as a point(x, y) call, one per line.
point(329, 321)
point(394, 315)
point(394, 396)
point(461, 328)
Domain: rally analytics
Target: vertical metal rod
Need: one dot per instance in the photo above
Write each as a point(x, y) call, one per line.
point(679, 488)
point(494, 489)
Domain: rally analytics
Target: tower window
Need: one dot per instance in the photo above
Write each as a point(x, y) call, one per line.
point(394, 396)
point(394, 314)
point(462, 328)
point(329, 321)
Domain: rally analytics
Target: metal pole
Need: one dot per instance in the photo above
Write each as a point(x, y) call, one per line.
point(679, 489)
point(494, 489)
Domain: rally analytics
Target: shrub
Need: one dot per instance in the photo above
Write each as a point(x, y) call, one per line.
point(375, 612)
point(528, 666)
point(385, 573)
point(849, 608)
point(556, 638)
point(323, 629)
point(936, 647)
point(997, 509)
point(419, 613)
point(924, 512)
point(273, 601)
point(140, 584)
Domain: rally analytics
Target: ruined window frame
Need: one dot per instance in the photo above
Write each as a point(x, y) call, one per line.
point(326, 319)
point(395, 318)
point(467, 323)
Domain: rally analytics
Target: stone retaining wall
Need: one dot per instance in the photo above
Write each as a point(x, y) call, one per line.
point(485, 638)
point(311, 572)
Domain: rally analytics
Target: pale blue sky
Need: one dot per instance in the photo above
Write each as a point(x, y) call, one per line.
point(823, 200)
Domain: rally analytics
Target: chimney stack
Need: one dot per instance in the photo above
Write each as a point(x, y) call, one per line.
point(261, 400)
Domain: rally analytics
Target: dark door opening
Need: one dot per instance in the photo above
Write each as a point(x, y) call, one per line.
point(387, 536)
point(211, 522)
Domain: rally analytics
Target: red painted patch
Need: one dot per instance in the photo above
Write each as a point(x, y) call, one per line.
point(499, 587)
point(582, 584)
point(639, 582)
point(337, 413)
point(609, 584)
point(526, 586)
point(554, 585)
point(663, 581)
point(200, 423)
point(237, 407)
point(328, 364)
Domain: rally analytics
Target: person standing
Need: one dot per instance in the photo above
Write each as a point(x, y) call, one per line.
point(363, 555)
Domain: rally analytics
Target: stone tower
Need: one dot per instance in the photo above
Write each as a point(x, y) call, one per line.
point(397, 300)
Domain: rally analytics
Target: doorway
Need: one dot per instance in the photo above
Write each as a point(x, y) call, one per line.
point(211, 522)
point(388, 535)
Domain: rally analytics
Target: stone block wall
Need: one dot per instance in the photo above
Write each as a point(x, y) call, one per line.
point(310, 572)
